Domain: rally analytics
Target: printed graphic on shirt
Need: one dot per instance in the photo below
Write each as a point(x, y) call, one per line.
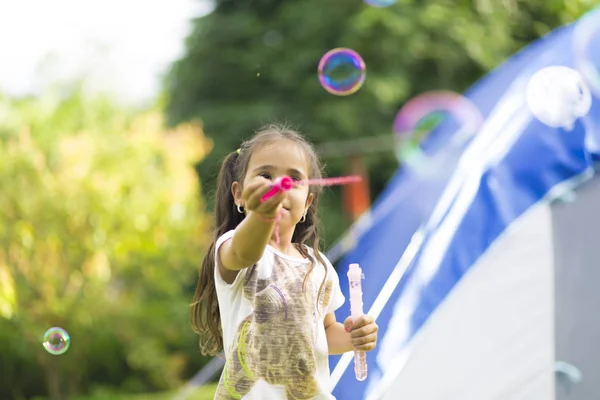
point(276, 342)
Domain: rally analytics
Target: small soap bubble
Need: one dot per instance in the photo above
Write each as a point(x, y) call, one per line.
point(419, 116)
point(380, 3)
point(558, 96)
point(56, 341)
point(586, 49)
point(342, 71)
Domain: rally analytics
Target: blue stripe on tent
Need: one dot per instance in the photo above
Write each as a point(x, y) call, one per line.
point(557, 155)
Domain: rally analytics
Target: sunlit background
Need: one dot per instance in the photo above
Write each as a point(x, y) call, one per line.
point(121, 48)
point(115, 115)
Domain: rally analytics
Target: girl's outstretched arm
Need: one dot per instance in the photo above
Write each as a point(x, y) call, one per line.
point(252, 235)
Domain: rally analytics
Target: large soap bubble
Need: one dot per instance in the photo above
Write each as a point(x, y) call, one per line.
point(421, 115)
point(558, 96)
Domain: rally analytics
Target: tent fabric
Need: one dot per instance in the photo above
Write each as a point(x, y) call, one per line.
point(576, 254)
point(503, 308)
point(427, 234)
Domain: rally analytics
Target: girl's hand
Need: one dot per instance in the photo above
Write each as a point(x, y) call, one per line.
point(253, 193)
point(363, 332)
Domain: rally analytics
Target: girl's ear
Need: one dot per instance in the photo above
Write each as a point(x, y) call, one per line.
point(236, 191)
point(309, 201)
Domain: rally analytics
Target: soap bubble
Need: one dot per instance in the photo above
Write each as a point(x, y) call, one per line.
point(56, 341)
point(342, 71)
point(380, 3)
point(557, 96)
point(421, 115)
point(586, 49)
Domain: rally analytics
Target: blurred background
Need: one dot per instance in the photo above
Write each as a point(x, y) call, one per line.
point(114, 116)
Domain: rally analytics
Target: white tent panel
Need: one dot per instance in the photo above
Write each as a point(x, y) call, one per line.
point(492, 337)
point(577, 266)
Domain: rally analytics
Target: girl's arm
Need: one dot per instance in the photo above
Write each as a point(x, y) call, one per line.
point(252, 235)
point(246, 246)
point(338, 339)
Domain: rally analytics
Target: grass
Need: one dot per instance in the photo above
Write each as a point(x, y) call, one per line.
point(206, 392)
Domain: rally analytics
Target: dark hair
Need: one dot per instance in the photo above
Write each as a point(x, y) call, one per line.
point(204, 313)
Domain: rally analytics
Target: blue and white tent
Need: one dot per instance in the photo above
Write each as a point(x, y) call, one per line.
point(482, 278)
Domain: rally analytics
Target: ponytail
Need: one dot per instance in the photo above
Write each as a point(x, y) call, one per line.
point(204, 312)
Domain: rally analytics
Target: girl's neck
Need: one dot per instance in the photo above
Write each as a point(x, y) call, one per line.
point(285, 245)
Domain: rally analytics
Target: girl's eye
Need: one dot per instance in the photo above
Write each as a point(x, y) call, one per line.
point(295, 178)
point(265, 175)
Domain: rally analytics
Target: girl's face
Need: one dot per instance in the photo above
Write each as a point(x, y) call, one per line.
point(277, 159)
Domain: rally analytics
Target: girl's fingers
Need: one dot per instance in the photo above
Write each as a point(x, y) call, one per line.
point(364, 331)
point(365, 343)
point(250, 197)
point(269, 206)
point(365, 347)
point(361, 321)
point(256, 184)
point(256, 191)
point(275, 200)
point(365, 339)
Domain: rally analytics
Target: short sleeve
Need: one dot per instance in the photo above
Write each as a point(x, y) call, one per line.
point(337, 297)
point(218, 279)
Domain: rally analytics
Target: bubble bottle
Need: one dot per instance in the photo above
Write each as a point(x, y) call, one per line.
point(356, 310)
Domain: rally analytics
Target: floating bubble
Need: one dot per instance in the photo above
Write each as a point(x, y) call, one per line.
point(586, 49)
point(56, 341)
point(380, 3)
point(421, 115)
point(342, 71)
point(557, 96)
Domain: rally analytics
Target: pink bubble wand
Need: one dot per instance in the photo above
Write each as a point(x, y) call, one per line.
point(286, 183)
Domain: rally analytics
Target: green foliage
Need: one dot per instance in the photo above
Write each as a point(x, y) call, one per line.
point(101, 233)
point(253, 61)
point(206, 392)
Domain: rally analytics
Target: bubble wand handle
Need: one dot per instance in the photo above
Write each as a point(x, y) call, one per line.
point(340, 180)
point(285, 183)
point(356, 310)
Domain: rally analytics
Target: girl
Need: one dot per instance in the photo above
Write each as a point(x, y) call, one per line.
point(264, 295)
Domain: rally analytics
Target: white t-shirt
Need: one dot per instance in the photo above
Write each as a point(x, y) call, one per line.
point(273, 334)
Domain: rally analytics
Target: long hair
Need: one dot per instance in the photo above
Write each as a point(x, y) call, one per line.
point(204, 312)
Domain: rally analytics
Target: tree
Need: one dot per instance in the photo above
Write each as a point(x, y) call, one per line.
point(101, 234)
point(253, 61)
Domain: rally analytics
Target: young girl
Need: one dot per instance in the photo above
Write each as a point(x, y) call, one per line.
point(264, 295)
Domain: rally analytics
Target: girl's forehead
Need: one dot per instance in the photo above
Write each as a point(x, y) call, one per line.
point(280, 154)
